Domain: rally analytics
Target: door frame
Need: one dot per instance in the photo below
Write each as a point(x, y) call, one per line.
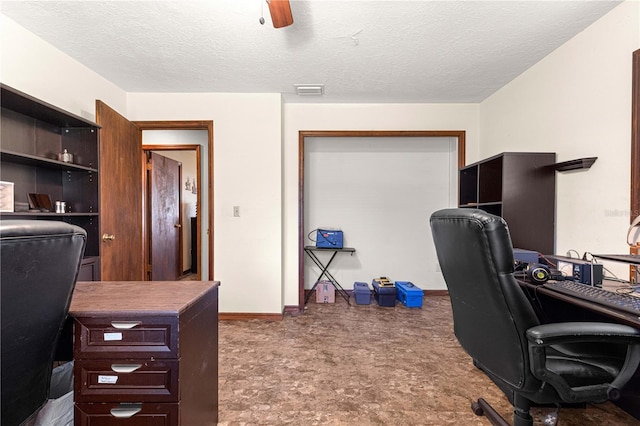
point(635, 137)
point(635, 154)
point(189, 125)
point(146, 151)
point(303, 134)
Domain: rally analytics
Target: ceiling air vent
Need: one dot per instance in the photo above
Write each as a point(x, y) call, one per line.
point(309, 89)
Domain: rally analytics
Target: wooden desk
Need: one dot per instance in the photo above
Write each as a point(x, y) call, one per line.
point(552, 306)
point(146, 353)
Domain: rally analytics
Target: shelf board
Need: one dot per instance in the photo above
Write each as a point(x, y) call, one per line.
point(48, 214)
point(22, 103)
point(580, 163)
point(34, 160)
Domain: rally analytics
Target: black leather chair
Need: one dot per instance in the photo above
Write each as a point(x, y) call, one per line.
point(497, 326)
point(39, 263)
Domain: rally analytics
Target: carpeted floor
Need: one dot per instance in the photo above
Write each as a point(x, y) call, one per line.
point(363, 365)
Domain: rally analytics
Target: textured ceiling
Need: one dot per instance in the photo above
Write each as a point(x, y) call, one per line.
point(362, 50)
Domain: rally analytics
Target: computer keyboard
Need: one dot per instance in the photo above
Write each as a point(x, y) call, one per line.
point(623, 302)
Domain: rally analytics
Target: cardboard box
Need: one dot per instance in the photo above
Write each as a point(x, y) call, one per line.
point(325, 292)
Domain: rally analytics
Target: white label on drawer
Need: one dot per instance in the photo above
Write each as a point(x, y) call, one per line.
point(109, 380)
point(112, 336)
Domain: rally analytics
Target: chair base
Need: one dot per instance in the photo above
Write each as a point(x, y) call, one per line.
point(482, 408)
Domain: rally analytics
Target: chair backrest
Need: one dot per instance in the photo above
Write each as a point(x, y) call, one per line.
point(39, 264)
point(490, 311)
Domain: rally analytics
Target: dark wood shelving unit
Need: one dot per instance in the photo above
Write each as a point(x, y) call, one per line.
point(580, 163)
point(32, 160)
point(32, 134)
point(520, 187)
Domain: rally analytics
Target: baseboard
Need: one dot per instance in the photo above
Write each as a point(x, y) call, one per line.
point(243, 316)
point(294, 310)
point(436, 292)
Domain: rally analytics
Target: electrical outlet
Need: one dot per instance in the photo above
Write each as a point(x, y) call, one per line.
point(236, 211)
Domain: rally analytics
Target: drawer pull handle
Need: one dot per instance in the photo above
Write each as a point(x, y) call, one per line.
point(125, 368)
point(124, 411)
point(123, 325)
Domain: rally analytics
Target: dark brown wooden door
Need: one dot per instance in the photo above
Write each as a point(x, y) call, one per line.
point(164, 221)
point(121, 248)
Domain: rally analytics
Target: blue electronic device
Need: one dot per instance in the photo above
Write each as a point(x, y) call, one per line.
point(326, 238)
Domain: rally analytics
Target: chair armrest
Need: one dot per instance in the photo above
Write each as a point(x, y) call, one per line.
point(542, 336)
point(571, 332)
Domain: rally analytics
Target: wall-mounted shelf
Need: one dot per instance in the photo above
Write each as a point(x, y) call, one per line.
point(580, 163)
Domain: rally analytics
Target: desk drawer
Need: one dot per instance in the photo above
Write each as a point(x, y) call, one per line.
point(133, 337)
point(128, 380)
point(140, 414)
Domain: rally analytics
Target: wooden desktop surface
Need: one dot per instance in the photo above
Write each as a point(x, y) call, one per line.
point(150, 297)
point(174, 338)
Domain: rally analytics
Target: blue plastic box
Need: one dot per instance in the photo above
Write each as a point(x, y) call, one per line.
point(385, 296)
point(409, 294)
point(362, 293)
point(329, 239)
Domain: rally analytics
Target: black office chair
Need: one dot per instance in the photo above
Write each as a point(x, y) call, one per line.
point(497, 326)
point(39, 263)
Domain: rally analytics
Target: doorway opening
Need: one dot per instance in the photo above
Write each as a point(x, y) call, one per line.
point(171, 182)
point(201, 180)
point(458, 135)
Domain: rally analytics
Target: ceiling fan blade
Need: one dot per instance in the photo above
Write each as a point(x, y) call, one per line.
point(280, 13)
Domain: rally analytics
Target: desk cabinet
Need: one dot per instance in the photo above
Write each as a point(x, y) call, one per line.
point(146, 353)
point(520, 187)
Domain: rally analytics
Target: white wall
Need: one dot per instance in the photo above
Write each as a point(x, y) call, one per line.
point(247, 172)
point(577, 102)
point(379, 191)
point(33, 66)
point(299, 117)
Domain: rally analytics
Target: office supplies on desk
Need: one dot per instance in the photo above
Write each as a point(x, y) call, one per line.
point(581, 270)
point(623, 302)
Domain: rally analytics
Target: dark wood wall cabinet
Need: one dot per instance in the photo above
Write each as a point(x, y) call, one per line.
point(146, 353)
point(520, 187)
point(34, 136)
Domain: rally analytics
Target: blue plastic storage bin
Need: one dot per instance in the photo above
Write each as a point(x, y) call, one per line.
point(385, 296)
point(409, 294)
point(362, 293)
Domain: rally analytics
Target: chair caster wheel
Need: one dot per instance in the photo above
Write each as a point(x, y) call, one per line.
point(477, 409)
